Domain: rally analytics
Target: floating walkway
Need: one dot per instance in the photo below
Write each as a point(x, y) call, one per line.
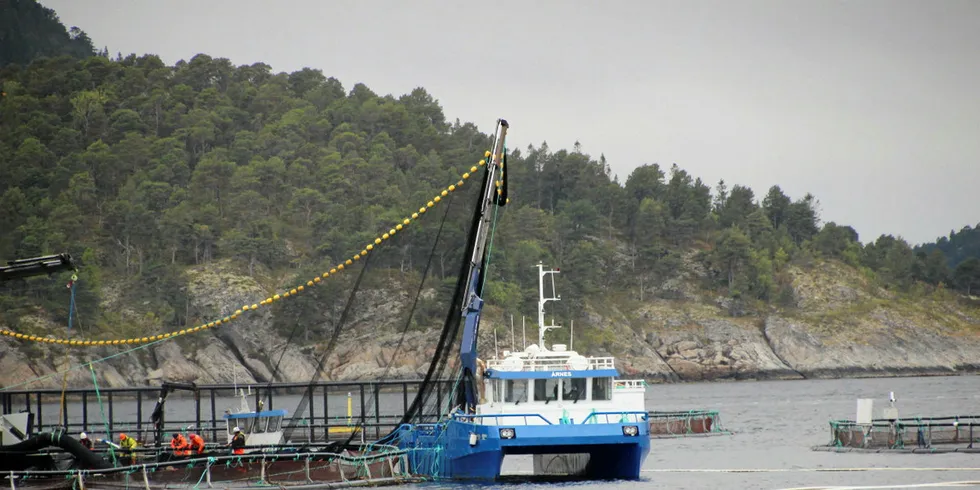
point(384, 466)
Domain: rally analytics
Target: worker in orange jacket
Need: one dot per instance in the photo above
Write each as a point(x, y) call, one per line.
point(179, 444)
point(196, 444)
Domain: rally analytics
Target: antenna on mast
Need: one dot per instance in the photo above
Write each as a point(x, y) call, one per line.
point(542, 328)
point(512, 340)
point(571, 336)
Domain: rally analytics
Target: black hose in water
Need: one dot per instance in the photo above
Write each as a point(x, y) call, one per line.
point(25, 455)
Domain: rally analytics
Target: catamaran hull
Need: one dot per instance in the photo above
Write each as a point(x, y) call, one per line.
point(465, 451)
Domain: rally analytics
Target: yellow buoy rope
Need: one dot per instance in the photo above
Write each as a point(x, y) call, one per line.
point(245, 309)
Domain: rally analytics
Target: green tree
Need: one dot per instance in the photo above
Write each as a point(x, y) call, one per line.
point(30, 31)
point(967, 276)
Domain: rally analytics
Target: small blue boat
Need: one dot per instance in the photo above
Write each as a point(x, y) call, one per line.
point(567, 410)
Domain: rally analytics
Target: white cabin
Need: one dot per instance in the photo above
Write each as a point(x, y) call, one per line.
point(559, 384)
point(261, 428)
point(562, 386)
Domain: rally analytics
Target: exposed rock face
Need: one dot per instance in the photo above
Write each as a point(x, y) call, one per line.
point(841, 326)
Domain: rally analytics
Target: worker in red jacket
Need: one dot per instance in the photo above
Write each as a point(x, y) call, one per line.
point(179, 444)
point(197, 444)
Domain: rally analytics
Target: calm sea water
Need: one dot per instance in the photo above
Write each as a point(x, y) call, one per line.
point(775, 424)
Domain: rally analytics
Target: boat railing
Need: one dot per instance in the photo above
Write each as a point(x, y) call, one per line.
point(512, 418)
point(629, 384)
point(615, 417)
point(556, 364)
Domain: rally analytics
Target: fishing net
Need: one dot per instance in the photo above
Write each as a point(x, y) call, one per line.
point(907, 433)
point(685, 423)
point(383, 464)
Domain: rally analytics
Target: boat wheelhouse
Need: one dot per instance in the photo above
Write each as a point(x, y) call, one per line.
point(261, 427)
point(558, 383)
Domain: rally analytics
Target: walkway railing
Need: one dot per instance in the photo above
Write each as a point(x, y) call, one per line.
point(376, 405)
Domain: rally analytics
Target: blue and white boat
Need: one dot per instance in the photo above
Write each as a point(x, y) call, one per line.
point(567, 410)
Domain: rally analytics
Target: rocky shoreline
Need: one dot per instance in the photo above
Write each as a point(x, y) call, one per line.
point(841, 327)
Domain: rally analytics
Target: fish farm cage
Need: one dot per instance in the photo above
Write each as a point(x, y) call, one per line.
point(932, 434)
point(685, 423)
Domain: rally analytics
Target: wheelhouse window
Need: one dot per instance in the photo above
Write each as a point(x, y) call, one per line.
point(573, 389)
point(515, 390)
point(602, 388)
point(274, 423)
point(546, 389)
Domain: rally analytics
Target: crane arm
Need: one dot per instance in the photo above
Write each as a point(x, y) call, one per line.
point(491, 194)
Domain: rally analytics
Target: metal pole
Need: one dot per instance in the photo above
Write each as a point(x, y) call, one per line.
point(377, 410)
point(84, 411)
point(214, 421)
point(139, 413)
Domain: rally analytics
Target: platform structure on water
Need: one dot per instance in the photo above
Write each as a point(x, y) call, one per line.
point(891, 433)
point(55, 459)
point(368, 408)
point(685, 423)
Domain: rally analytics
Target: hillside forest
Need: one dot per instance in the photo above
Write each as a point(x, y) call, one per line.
point(141, 170)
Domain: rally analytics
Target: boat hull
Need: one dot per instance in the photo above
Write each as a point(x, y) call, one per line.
point(462, 450)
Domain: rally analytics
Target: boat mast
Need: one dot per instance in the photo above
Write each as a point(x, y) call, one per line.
point(494, 191)
point(542, 328)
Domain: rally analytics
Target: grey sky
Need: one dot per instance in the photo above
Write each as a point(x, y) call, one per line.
point(870, 105)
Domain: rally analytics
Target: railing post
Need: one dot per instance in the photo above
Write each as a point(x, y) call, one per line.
point(197, 411)
point(139, 414)
point(84, 411)
point(326, 413)
point(146, 479)
point(377, 410)
point(404, 399)
point(111, 417)
point(214, 420)
point(361, 414)
point(309, 393)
